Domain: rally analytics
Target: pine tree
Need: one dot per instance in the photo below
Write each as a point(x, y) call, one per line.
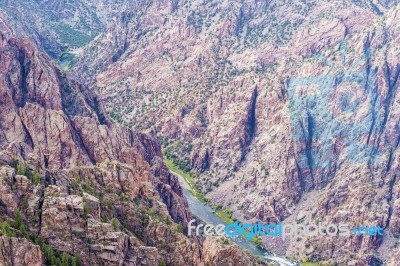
point(64, 259)
point(18, 221)
point(77, 260)
point(85, 211)
point(115, 224)
point(36, 178)
point(19, 169)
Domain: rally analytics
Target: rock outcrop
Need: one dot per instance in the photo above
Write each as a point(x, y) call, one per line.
point(291, 106)
point(220, 252)
point(274, 102)
point(19, 251)
point(75, 187)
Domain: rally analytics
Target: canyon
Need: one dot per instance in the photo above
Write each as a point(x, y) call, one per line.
point(282, 110)
point(78, 189)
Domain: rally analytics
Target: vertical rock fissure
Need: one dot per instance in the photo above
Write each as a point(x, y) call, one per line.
point(391, 91)
point(10, 244)
point(250, 125)
point(374, 100)
point(24, 75)
point(40, 206)
point(307, 132)
point(252, 114)
point(390, 199)
point(28, 139)
point(78, 140)
point(300, 177)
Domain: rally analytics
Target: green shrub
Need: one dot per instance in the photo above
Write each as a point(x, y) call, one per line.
point(108, 203)
point(65, 259)
point(77, 261)
point(162, 263)
point(6, 229)
point(74, 184)
point(85, 211)
point(23, 169)
point(123, 197)
point(36, 178)
point(87, 187)
point(179, 228)
point(18, 221)
point(52, 257)
point(70, 36)
point(115, 224)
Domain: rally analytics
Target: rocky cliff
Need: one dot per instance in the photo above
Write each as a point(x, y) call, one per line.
point(76, 188)
point(290, 106)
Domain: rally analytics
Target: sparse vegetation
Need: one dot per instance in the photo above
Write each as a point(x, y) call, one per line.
point(17, 228)
point(162, 263)
point(87, 187)
point(36, 178)
point(70, 36)
point(67, 61)
point(225, 241)
point(179, 228)
point(85, 211)
point(23, 169)
point(224, 216)
point(188, 178)
point(177, 152)
point(310, 264)
point(6, 229)
point(115, 224)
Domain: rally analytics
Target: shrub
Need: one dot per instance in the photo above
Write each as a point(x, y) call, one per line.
point(115, 224)
point(18, 221)
point(179, 228)
point(123, 197)
point(52, 257)
point(86, 187)
point(77, 261)
point(108, 203)
point(36, 178)
point(6, 229)
point(65, 259)
point(74, 184)
point(23, 169)
point(85, 211)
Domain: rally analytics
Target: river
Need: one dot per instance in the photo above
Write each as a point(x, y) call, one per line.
point(206, 214)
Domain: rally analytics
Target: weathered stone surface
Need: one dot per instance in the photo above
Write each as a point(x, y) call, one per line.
point(226, 79)
point(82, 184)
point(217, 252)
point(235, 88)
point(16, 251)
